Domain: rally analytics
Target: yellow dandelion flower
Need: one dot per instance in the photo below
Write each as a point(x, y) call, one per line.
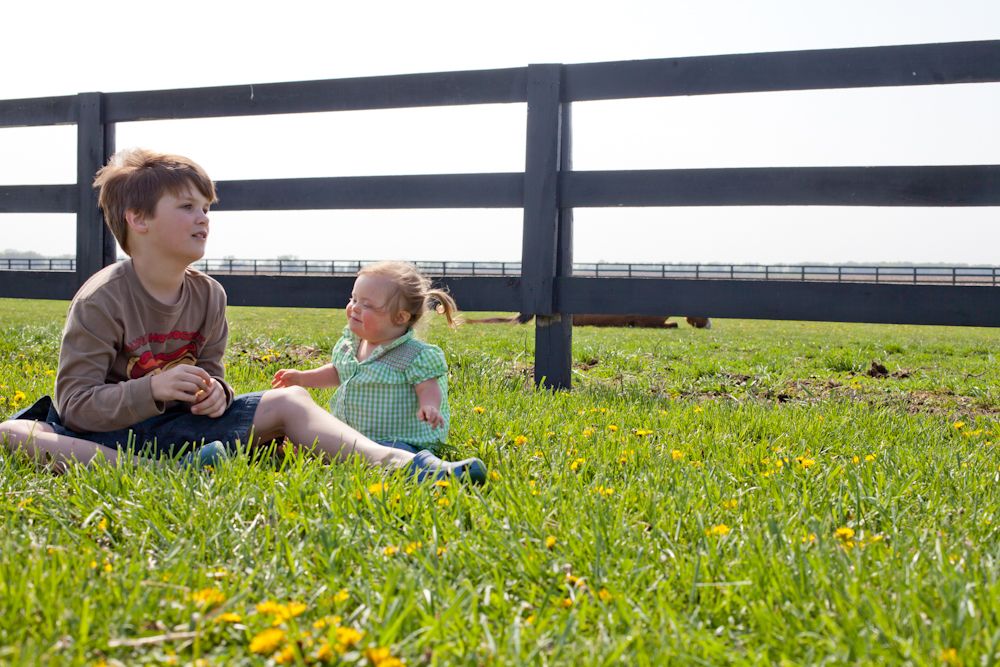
point(587, 432)
point(855, 459)
point(207, 597)
point(267, 642)
point(494, 475)
point(809, 539)
point(286, 655)
point(479, 409)
point(102, 524)
point(341, 596)
point(443, 502)
point(720, 530)
point(19, 396)
point(410, 548)
point(697, 408)
point(550, 541)
point(390, 550)
point(107, 566)
point(324, 653)
point(676, 454)
point(869, 457)
point(949, 656)
point(566, 603)
point(347, 638)
point(530, 619)
point(576, 464)
point(376, 655)
point(730, 504)
point(268, 607)
point(442, 551)
point(294, 609)
point(380, 657)
point(442, 483)
point(958, 425)
point(604, 491)
point(228, 617)
point(612, 428)
point(805, 462)
point(377, 488)
point(641, 432)
point(844, 533)
point(604, 596)
point(326, 621)
point(520, 440)
point(24, 503)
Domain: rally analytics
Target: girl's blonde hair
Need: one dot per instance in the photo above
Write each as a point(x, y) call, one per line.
point(413, 293)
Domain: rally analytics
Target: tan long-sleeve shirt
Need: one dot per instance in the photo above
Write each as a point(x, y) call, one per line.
point(117, 337)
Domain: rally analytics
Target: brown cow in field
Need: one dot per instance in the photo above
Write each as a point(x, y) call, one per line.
point(587, 320)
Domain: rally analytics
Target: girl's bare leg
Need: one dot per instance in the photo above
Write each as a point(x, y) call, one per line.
point(47, 447)
point(290, 412)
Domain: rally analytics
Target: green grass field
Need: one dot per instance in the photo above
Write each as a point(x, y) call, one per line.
point(758, 493)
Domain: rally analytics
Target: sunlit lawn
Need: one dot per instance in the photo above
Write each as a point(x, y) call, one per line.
point(756, 493)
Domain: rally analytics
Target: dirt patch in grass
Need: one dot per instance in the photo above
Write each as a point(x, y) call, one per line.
point(285, 354)
point(813, 391)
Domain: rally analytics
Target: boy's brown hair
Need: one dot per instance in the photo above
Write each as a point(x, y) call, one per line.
point(136, 178)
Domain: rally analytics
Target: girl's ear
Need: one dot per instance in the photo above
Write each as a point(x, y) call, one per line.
point(136, 220)
point(401, 317)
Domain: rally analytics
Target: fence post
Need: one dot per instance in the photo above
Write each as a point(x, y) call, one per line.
point(95, 143)
point(540, 242)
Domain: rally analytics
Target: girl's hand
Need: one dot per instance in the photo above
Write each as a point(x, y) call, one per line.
point(287, 377)
point(210, 402)
point(431, 415)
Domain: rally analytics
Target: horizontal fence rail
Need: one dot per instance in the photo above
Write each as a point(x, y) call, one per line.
point(850, 273)
point(547, 282)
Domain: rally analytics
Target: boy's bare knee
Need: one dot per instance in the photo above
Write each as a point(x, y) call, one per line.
point(16, 432)
point(286, 397)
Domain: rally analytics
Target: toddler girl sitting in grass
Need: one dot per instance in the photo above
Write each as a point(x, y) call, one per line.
point(393, 388)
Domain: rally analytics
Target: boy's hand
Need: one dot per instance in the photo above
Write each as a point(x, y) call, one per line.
point(181, 383)
point(210, 402)
point(431, 415)
point(287, 377)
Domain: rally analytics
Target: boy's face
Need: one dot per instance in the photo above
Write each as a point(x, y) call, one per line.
point(369, 314)
point(178, 228)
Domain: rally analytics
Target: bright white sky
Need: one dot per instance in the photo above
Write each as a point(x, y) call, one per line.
point(57, 48)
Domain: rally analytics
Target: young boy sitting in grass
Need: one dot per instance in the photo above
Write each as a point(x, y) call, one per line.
point(140, 367)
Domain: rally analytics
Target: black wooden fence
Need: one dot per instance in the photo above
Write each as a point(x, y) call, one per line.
point(549, 189)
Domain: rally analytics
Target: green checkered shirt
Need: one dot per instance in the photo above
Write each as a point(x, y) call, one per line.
point(377, 396)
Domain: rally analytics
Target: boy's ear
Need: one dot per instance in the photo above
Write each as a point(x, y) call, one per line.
point(136, 220)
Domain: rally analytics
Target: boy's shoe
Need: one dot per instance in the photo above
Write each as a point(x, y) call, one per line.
point(427, 466)
point(208, 455)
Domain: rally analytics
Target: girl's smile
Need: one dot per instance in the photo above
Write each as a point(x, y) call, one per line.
point(370, 312)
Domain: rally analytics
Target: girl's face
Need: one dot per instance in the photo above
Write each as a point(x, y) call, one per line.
point(368, 311)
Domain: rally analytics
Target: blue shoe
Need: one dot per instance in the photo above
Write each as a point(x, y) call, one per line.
point(427, 466)
point(208, 455)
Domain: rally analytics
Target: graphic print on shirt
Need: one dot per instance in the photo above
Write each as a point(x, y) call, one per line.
point(149, 362)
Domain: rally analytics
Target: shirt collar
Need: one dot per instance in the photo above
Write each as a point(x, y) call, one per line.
point(381, 349)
